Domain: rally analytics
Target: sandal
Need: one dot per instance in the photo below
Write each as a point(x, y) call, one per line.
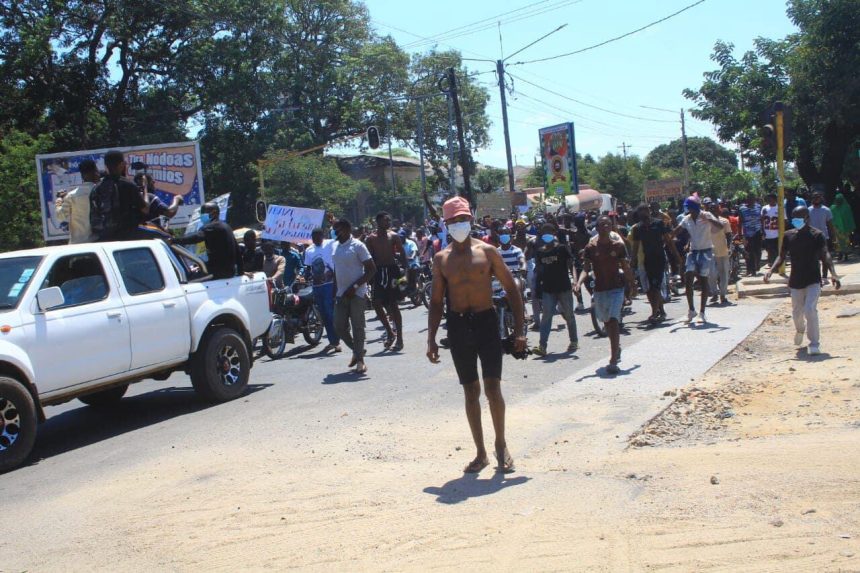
point(506, 466)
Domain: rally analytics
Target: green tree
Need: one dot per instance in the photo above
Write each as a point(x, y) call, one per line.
point(20, 213)
point(703, 150)
point(812, 71)
point(490, 179)
point(623, 179)
point(309, 181)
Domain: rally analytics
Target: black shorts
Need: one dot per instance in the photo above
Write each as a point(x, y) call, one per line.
point(385, 289)
point(473, 336)
point(654, 273)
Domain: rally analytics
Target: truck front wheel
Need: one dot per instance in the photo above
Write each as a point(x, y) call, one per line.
point(17, 423)
point(221, 366)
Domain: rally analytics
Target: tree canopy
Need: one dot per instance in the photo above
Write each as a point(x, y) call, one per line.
point(815, 72)
point(246, 77)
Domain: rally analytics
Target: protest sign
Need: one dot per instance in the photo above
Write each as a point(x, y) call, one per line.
point(293, 224)
point(175, 168)
point(558, 154)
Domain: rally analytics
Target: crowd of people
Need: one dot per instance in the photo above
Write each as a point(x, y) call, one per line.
point(544, 263)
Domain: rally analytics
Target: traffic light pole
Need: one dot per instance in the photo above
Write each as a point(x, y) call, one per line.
point(779, 108)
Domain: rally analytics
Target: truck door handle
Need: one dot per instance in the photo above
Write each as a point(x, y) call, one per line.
point(169, 304)
point(115, 315)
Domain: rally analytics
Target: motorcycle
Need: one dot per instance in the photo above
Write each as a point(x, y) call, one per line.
point(737, 255)
point(503, 308)
point(292, 313)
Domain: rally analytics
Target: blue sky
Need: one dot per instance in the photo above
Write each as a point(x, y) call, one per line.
point(650, 68)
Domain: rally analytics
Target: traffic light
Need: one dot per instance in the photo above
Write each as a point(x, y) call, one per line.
point(261, 210)
point(373, 137)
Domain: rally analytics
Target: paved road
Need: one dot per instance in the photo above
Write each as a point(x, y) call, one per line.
point(133, 488)
point(290, 394)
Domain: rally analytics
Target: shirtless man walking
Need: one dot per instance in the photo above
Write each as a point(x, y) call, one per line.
point(386, 248)
point(464, 271)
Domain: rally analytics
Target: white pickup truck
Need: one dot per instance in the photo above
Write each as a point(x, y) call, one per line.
point(85, 321)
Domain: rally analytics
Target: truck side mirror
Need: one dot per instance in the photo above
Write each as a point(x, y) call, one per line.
point(49, 298)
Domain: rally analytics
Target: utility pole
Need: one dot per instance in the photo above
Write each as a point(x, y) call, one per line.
point(452, 162)
point(500, 70)
point(624, 147)
point(686, 162)
point(461, 139)
point(419, 114)
point(683, 141)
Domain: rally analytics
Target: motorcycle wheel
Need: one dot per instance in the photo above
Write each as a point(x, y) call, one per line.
point(425, 297)
point(275, 341)
point(313, 330)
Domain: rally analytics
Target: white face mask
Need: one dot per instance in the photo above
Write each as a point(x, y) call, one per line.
point(460, 231)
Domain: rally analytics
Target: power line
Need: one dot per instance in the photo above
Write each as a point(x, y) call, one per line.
point(479, 22)
point(603, 109)
point(615, 39)
point(488, 23)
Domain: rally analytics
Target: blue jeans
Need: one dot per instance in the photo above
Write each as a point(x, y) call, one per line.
point(564, 299)
point(324, 299)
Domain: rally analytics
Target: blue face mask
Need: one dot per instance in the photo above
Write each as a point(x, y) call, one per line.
point(798, 223)
point(547, 238)
point(504, 239)
point(205, 218)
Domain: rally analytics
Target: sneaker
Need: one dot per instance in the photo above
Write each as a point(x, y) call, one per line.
point(701, 318)
point(814, 350)
point(539, 351)
point(713, 299)
point(691, 314)
point(798, 339)
point(573, 346)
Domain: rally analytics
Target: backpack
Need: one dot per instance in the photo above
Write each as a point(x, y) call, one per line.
point(105, 218)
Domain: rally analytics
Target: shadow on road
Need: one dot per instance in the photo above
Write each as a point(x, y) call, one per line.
point(467, 486)
point(344, 377)
point(87, 425)
point(602, 373)
point(804, 355)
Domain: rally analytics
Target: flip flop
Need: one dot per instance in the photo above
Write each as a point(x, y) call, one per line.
point(475, 466)
point(507, 466)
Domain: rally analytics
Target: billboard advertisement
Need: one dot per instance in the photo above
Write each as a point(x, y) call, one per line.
point(558, 154)
point(175, 167)
point(663, 189)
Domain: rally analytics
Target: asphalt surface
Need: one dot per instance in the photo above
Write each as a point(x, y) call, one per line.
point(293, 394)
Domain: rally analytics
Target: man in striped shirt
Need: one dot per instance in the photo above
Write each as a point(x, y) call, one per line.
point(513, 257)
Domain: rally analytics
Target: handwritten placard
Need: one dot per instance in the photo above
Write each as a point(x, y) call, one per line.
point(293, 224)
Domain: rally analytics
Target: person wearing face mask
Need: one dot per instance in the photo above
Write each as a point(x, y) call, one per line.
point(224, 259)
point(353, 269)
point(463, 273)
point(273, 265)
point(821, 218)
point(806, 247)
point(553, 267)
point(699, 225)
point(513, 256)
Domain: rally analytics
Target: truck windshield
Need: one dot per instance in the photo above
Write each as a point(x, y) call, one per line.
point(15, 275)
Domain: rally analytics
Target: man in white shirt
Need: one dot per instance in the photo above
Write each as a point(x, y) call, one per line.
point(319, 269)
point(770, 224)
point(700, 259)
point(721, 239)
point(74, 207)
point(353, 268)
